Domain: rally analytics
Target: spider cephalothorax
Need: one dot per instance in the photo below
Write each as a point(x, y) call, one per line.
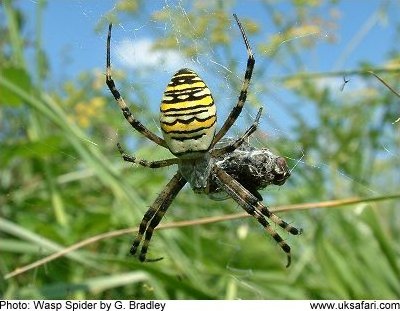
point(188, 123)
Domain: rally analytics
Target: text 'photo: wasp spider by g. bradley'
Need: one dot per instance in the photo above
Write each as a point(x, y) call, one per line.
point(210, 165)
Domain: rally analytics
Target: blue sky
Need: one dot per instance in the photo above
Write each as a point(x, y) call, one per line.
point(69, 37)
point(72, 45)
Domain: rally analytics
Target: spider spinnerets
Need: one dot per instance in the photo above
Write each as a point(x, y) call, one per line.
point(210, 165)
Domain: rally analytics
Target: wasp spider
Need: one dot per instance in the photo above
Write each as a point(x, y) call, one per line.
point(188, 123)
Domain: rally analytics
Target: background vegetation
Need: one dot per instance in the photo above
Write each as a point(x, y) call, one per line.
point(62, 180)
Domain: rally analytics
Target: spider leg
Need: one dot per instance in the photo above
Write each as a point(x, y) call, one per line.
point(243, 93)
point(249, 203)
point(276, 219)
point(136, 124)
point(236, 144)
point(154, 215)
point(145, 163)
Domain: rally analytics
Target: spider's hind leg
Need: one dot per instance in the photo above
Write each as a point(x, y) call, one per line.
point(154, 215)
point(250, 204)
point(276, 219)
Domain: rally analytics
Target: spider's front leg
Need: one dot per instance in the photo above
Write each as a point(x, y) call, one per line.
point(154, 215)
point(136, 124)
point(255, 208)
point(243, 92)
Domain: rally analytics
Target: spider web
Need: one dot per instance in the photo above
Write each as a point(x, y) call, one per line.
point(216, 71)
point(148, 70)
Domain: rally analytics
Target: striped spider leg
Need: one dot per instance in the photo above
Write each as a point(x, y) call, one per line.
point(145, 163)
point(243, 92)
point(234, 144)
point(136, 124)
point(157, 210)
point(253, 206)
point(154, 215)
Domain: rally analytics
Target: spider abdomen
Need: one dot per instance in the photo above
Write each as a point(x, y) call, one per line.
point(188, 114)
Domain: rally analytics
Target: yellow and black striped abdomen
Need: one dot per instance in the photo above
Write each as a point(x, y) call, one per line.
point(188, 114)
